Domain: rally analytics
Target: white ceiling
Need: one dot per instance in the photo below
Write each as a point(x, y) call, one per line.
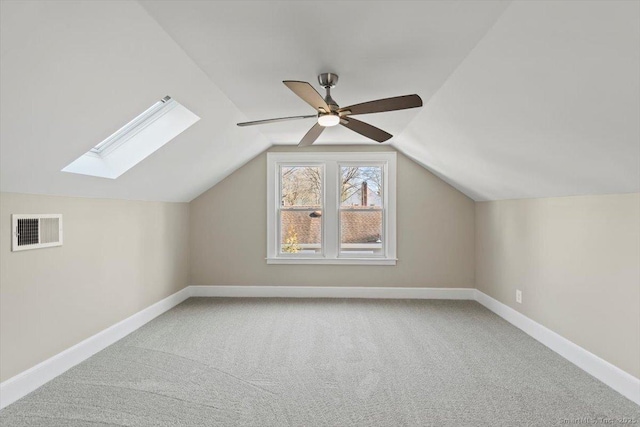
point(522, 99)
point(379, 49)
point(72, 73)
point(547, 104)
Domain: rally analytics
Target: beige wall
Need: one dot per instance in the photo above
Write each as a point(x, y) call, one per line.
point(118, 258)
point(435, 234)
point(577, 262)
point(576, 259)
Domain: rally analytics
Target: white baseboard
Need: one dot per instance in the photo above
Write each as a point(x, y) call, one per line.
point(619, 380)
point(25, 382)
point(332, 292)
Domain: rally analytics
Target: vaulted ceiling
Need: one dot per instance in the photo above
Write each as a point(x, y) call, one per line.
point(522, 99)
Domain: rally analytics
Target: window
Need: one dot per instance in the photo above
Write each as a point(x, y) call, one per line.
point(331, 208)
point(300, 210)
point(136, 140)
point(361, 210)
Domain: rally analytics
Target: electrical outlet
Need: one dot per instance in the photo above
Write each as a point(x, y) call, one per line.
point(518, 296)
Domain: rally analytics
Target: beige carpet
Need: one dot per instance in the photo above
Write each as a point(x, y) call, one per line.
point(323, 362)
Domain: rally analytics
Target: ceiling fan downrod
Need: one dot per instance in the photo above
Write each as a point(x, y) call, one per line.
point(328, 81)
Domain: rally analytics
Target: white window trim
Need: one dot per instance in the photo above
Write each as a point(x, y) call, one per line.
point(330, 206)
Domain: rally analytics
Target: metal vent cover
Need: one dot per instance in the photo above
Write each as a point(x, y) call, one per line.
point(34, 231)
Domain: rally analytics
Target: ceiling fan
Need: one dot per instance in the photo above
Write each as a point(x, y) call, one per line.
point(330, 114)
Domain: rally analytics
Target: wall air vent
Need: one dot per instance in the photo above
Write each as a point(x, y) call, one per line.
point(36, 231)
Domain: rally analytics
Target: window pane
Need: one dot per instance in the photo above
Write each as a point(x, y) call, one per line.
point(301, 231)
point(361, 231)
point(301, 186)
point(361, 186)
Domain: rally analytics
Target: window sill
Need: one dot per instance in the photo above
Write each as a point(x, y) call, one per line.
point(336, 261)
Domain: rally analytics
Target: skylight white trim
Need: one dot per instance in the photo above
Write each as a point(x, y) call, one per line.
point(135, 141)
point(153, 113)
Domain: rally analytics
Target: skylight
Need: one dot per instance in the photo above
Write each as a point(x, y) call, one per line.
point(142, 120)
point(136, 140)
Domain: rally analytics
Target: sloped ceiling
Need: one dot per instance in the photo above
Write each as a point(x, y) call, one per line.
point(547, 104)
point(522, 99)
point(379, 49)
point(72, 73)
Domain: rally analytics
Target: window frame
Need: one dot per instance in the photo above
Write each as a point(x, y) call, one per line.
point(278, 207)
point(331, 163)
point(383, 209)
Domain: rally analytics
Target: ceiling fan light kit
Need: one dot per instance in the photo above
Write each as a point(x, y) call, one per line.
point(328, 120)
point(330, 114)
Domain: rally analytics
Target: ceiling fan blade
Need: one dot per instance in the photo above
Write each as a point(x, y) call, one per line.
point(387, 104)
point(280, 119)
point(365, 129)
point(311, 136)
point(308, 94)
